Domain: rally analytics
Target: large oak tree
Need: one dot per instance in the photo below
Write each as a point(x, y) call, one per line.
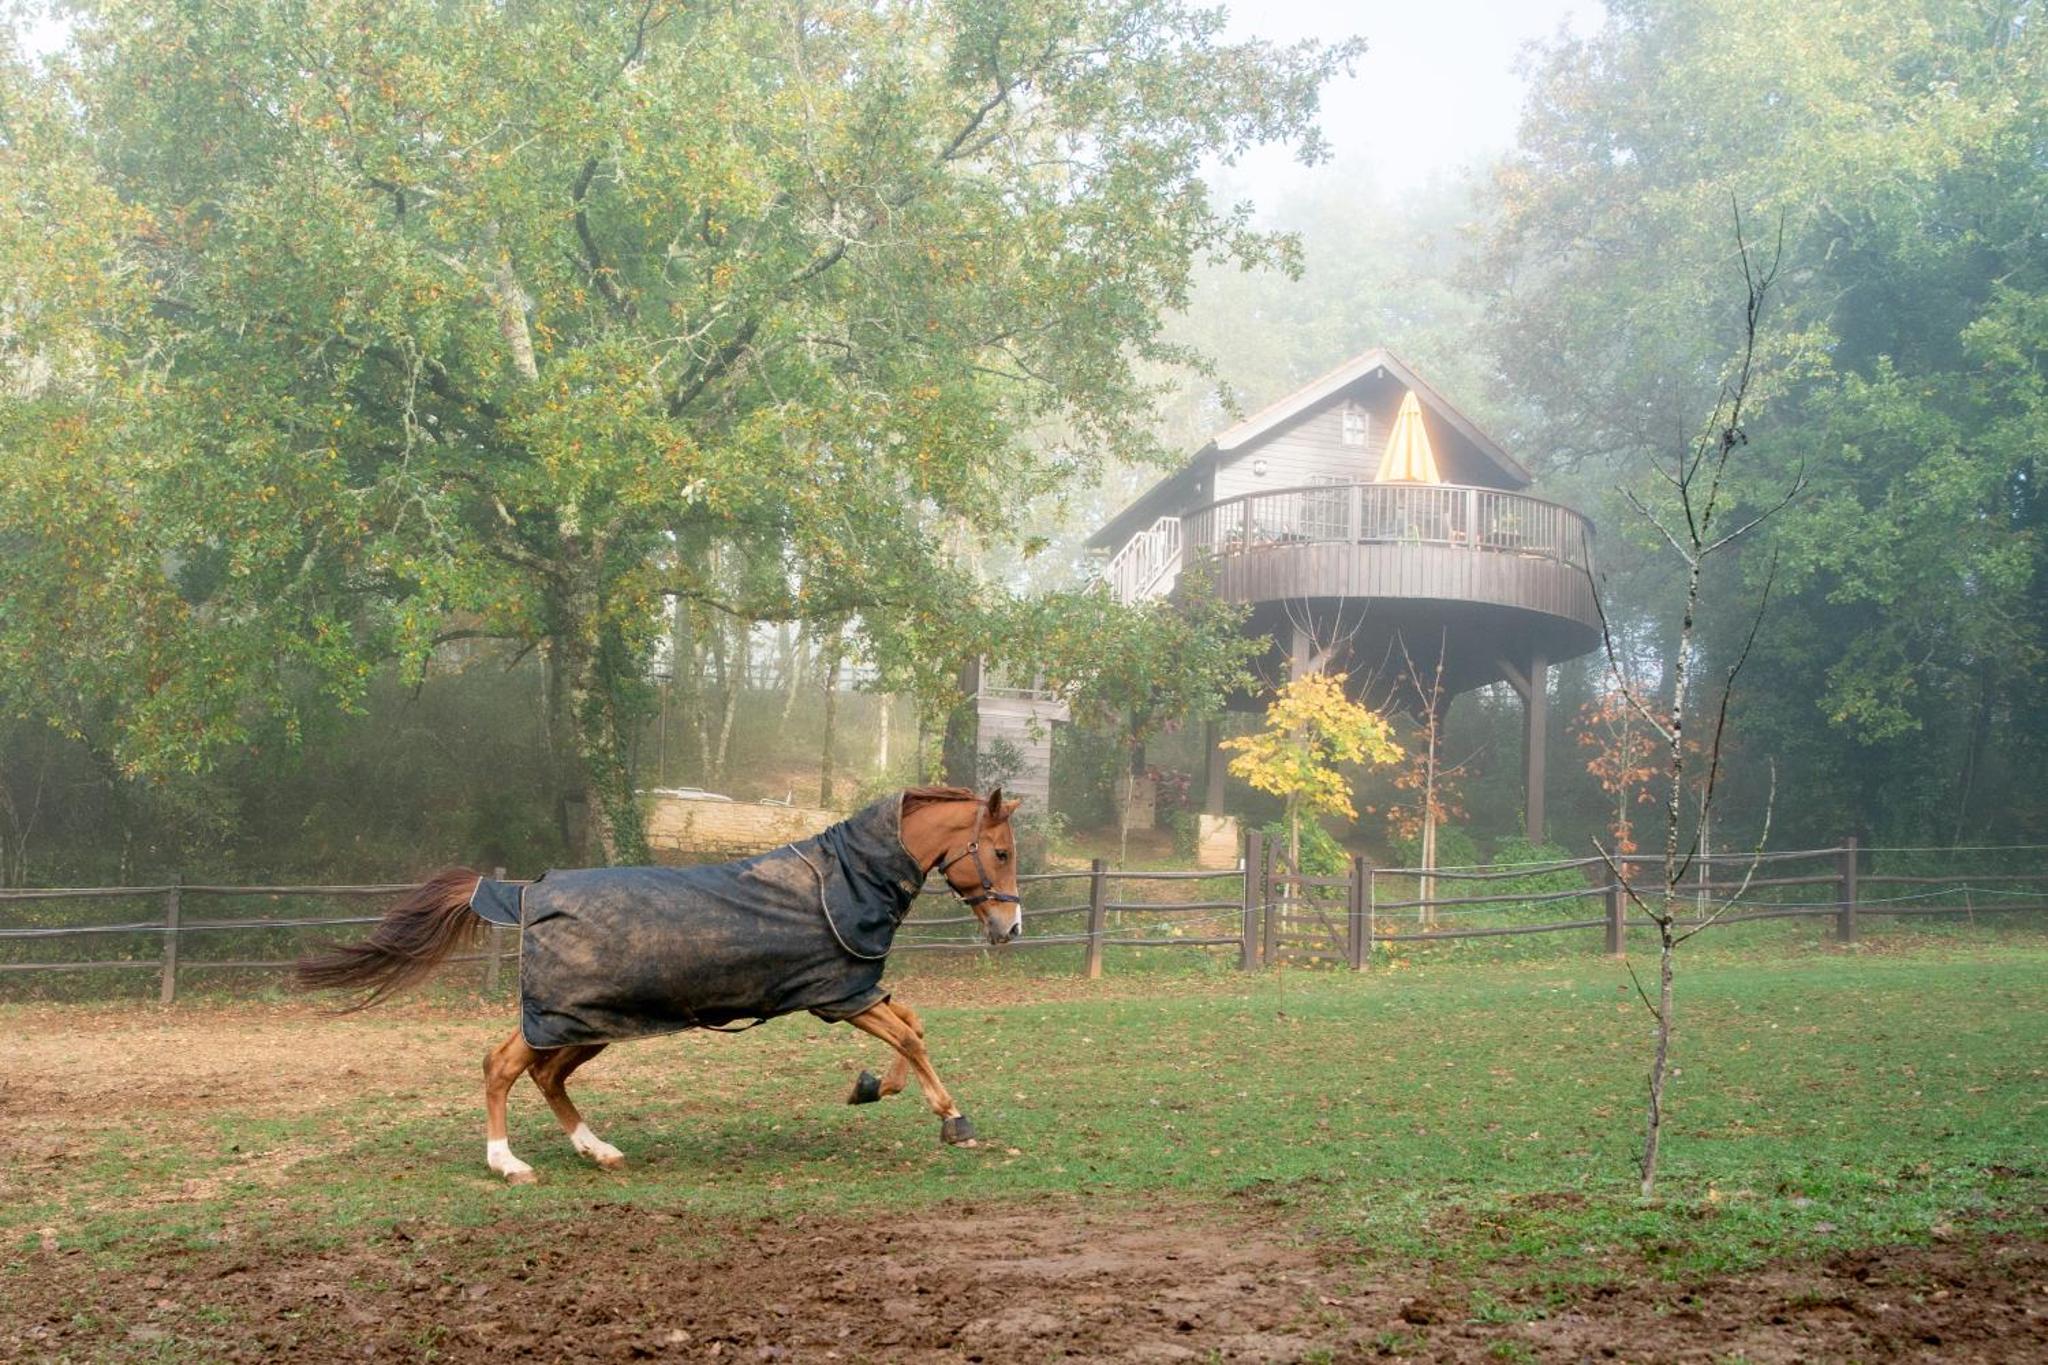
point(340, 329)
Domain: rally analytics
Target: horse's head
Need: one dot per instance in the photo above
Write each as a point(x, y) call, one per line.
point(975, 850)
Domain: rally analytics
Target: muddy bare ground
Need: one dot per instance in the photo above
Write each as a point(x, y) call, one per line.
point(1059, 1278)
point(998, 1282)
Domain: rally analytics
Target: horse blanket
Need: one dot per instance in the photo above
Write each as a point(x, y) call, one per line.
point(614, 953)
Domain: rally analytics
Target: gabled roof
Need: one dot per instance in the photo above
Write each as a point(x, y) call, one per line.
point(1273, 415)
point(1161, 497)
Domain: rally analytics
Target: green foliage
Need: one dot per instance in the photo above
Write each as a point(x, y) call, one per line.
point(1321, 854)
point(1896, 148)
point(346, 331)
point(1454, 848)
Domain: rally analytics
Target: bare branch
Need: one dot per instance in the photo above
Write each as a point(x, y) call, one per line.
point(1749, 873)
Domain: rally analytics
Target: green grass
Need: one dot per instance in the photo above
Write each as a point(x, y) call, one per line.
point(1468, 1112)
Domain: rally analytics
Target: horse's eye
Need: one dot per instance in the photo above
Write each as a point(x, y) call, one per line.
point(1002, 855)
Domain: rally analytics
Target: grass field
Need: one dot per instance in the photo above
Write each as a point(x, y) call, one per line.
point(1471, 1119)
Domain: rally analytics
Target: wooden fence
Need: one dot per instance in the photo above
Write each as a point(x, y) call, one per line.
point(1266, 913)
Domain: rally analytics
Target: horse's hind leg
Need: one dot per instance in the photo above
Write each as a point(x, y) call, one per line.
point(899, 1069)
point(504, 1065)
point(551, 1073)
point(866, 1089)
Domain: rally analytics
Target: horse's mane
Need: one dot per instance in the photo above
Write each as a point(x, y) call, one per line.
point(913, 797)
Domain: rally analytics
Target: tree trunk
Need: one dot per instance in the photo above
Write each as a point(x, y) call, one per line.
point(833, 655)
point(735, 682)
point(960, 751)
point(1653, 1131)
point(882, 738)
point(615, 831)
point(1428, 887)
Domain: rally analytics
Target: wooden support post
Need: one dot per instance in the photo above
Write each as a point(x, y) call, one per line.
point(1096, 879)
point(1355, 919)
point(1248, 949)
point(1269, 898)
point(1535, 730)
point(1370, 917)
point(1212, 792)
point(167, 988)
point(1845, 893)
point(1617, 923)
point(496, 951)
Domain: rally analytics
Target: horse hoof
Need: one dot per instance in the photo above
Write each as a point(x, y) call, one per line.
point(615, 1162)
point(521, 1178)
point(867, 1088)
point(957, 1131)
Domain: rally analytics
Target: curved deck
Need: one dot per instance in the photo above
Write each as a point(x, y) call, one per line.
point(1493, 575)
point(1415, 542)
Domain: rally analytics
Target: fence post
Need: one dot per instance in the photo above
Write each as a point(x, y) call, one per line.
point(1361, 945)
point(1269, 953)
point(1095, 918)
point(1617, 922)
point(496, 946)
point(1845, 893)
point(1248, 946)
point(167, 989)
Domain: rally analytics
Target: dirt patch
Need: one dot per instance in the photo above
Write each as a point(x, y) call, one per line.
point(1062, 1279)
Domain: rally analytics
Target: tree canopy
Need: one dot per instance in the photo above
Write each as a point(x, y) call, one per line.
point(342, 333)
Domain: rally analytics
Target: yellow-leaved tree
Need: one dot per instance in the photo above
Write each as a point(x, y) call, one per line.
point(1312, 728)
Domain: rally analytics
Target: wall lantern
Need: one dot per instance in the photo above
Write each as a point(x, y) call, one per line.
point(1258, 469)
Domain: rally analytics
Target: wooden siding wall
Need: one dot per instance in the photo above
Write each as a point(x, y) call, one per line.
point(1027, 725)
point(1312, 447)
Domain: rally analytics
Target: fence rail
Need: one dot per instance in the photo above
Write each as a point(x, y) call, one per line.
point(1269, 913)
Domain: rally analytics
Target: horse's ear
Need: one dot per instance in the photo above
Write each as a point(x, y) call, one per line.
point(1010, 808)
point(995, 803)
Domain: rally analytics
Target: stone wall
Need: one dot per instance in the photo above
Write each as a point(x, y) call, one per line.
point(682, 831)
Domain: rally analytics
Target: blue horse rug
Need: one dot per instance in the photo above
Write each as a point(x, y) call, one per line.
point(614, 953)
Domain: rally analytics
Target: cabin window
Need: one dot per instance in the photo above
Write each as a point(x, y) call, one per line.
point(1356, 425)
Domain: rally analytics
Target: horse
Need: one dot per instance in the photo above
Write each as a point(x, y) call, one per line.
point(611, 954)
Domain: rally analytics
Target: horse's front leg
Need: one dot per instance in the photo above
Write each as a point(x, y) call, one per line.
point(887, 1022)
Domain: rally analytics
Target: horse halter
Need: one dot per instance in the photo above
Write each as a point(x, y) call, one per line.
point(988, 890)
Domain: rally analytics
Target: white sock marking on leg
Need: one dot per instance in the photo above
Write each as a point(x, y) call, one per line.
point(592, 1146)
point(498, 1156)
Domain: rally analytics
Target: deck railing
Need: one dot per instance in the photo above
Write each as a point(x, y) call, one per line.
point(1148, 563)
point(1486, 520)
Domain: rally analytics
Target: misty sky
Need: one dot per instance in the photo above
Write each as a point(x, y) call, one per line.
point(1436, 88)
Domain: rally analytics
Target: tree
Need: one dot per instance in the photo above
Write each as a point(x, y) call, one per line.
point(1137, 669)
point(1311, 728)
point(1900, 144)
point(1623, 757)
point(1697, 521)
point(415, 322)
point(1424, 773)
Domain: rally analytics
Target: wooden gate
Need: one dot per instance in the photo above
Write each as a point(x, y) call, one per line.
point(1314, 920)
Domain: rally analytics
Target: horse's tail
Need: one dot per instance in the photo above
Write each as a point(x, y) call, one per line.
point(406, 946)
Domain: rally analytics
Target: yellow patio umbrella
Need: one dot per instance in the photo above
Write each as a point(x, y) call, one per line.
point(1409, 458)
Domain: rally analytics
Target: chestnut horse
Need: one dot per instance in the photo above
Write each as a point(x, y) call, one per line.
point(965, 838)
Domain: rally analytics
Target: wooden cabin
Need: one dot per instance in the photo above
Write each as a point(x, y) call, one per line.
point(1368, 524)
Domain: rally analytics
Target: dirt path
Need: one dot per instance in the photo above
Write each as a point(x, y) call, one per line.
point(1065, 1280)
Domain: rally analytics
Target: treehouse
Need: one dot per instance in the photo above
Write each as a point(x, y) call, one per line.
point(1372, 529)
